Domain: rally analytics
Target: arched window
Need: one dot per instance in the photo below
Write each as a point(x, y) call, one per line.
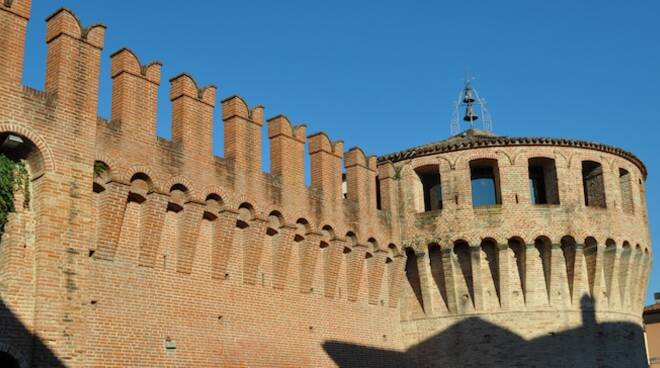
point(543, 181)
point(593, 184)
point(429, 176)
point(485, 178)
point(625, 183)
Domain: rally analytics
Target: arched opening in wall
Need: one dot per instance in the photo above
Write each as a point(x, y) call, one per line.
point(544, 246)
point(213, 205)
point(8, 361)
point(543, 181)
point(101, 176)
point(517, 246)
point(593, 184)
point(625, 184)
point(274, 223)
point(394, 249)
point(568, 248)
point(485, 181)
point(489, 249)
point(430, 187)
point(178, 197)
point(437, 270)
point(379, 204)
point(302, 228)
point(242, 223)
point(351, 238)
point(373, 244)
point(462, 251)
point(412, 275)
point(21, 164)
point(327, 234)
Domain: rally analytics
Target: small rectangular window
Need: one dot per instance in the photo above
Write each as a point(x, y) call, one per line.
point(378, 198)
point(543, 181)
point(593, 184)
point(429, 177)
point(485, 179)
point(625, 183)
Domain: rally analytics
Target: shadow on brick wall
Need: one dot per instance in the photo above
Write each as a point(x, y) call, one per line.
point(475, 342)
point(19, 348)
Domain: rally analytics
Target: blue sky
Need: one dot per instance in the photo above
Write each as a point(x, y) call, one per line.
point(383, 75)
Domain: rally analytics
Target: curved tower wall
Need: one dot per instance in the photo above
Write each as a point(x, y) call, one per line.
point(548, 281)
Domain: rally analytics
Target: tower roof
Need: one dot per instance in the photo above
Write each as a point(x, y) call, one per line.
point(476, 138)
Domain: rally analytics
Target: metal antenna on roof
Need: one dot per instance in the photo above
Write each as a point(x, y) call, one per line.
point(468, 101)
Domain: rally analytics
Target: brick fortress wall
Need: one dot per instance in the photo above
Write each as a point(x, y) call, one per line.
point(165, 244)
point(133, 250)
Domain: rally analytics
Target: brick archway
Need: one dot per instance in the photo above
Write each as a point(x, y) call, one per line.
point(11, 358)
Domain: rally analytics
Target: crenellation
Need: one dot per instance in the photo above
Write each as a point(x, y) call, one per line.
point(192, 117)
point(242, 138)
point(135, 95)
point(72, 71)
point(14, 16)
point(20, 8)
point(326, 164)
point(361, 179)
point(287, 156)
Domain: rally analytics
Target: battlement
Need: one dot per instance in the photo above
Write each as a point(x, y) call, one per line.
point(181, 177)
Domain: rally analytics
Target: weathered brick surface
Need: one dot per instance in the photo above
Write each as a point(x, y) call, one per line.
point(168, 245)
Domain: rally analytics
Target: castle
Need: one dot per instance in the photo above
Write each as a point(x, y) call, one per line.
point(129, 250)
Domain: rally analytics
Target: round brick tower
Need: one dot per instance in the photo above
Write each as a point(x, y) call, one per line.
point(522, 252)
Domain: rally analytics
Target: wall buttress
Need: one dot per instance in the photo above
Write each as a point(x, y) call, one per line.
point(282, 256)
point(376, 268)
point(354, 266)
point(252, 249)
point(222, 241)
point(111, 209)
point(309, 254)
point(331, 265)
point(188, 230)
point(152, 220)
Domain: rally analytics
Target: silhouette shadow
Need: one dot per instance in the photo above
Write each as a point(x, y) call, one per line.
point(474, 342)
point(20, 348)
